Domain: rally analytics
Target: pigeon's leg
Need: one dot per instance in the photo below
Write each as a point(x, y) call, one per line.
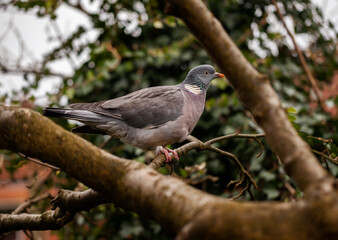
point(165, 151)
point(173, 152)
point(160, 149)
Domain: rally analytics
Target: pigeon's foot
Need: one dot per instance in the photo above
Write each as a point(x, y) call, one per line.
point(173, 152)
point(165, 151)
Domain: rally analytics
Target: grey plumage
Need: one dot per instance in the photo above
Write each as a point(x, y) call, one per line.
point(148, 118)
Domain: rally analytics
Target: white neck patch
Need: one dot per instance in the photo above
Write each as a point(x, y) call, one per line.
point(193, 89)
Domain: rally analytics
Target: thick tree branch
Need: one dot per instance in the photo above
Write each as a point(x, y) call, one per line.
point(78, 201)
point(49, 220)
point(133, 186)
point(65, 205)
point(254, 90)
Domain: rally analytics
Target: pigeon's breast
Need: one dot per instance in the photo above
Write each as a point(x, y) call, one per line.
point(193, 108)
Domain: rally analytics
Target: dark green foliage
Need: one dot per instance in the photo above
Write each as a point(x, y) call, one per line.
point(108, 222)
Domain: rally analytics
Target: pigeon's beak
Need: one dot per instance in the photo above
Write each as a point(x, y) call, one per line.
point(219, 75)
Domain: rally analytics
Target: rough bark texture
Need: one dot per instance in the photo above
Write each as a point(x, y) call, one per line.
point(45, 221)
point(65, 205)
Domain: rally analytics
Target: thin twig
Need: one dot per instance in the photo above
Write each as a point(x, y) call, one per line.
point(38, 161)
point(322, 139)
point(278, 159)
point(251, 194)
point(78, 6)
point(21, 43)
point(37, 186)
point(104, 143)
point(248, 32)
point(238, 163)
point(7, 30)
point(22, 207)
point(261, 145)
point(301, 58)
point(18, 70)
point(29, 234)
point(58, 33)
point(289, 188)
point(116, 55)
point(241, 192)
point(326, 164)
point(333, 160)
point(234, 135)
point(197, 144)
point(203, 179)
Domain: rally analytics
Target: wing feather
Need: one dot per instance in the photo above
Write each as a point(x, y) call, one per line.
point(147, 108)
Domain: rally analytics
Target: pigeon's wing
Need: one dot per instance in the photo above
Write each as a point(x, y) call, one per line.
point(147, 108)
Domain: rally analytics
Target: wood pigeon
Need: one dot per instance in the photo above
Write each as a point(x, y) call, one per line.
point(150, 118)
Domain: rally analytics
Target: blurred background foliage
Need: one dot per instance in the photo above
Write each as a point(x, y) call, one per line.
point(139, 46)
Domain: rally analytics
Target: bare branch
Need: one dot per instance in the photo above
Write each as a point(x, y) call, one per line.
point(104, 143)
point(20, 70)
point(333, 160)
point(322, 139)
point(203, 179)
point(7, 30)
point(247, 187)
point(77, 6)
point(238, 163)
point(58, 33)
point(22, 207)
point(197, 144)
point(248, 32)
point(116, 55)
point(39, 162)
point(78, 201)
point(234, 135)
point(49, 220)
point(261, 145)
point(65, 205)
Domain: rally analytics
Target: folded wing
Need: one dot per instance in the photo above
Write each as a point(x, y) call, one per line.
point(146, 109)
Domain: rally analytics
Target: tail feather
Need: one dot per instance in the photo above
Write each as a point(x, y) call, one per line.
point(79, 115)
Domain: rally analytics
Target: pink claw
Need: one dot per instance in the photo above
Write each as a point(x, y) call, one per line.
point(173, 152)
point(166, 151)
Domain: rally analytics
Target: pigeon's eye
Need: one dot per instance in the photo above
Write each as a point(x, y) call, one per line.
point(206, 73)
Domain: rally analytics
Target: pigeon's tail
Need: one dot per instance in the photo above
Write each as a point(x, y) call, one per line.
point(79, 115)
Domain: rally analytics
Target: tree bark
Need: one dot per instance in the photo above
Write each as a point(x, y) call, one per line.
point(65, 205)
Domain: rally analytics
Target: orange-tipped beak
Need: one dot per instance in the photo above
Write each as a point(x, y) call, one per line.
point(219, 75)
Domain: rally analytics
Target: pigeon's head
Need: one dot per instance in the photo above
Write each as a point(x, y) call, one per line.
point(201, 76)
